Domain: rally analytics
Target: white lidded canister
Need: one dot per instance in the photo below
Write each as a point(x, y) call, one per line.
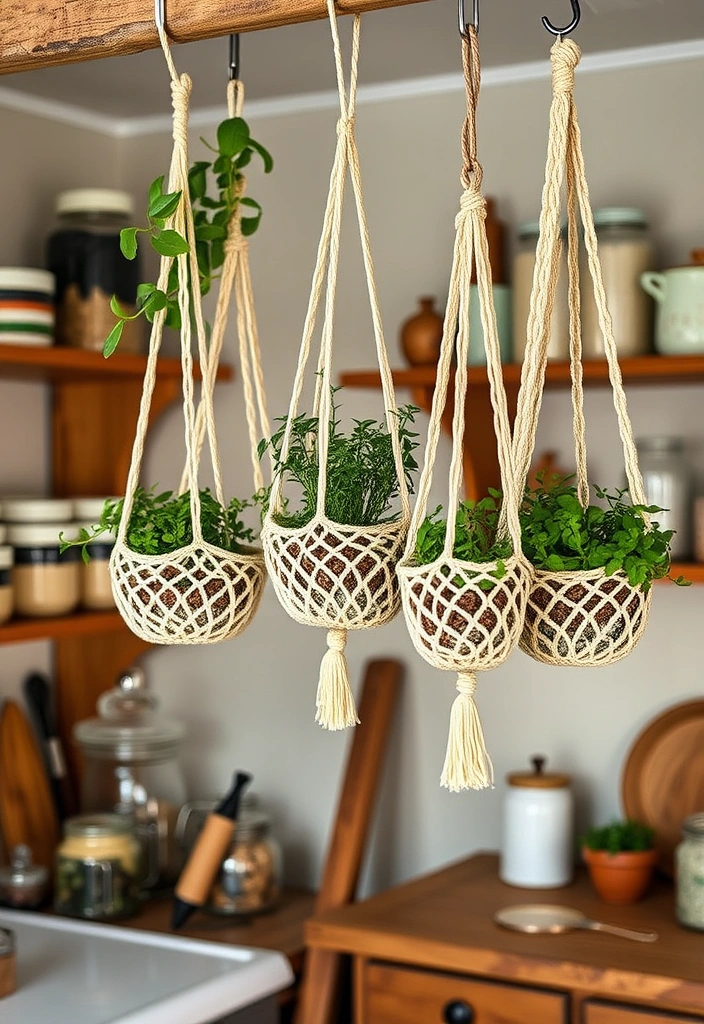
point(537, 851)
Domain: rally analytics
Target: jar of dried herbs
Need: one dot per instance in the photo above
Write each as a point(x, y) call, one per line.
point(83, 253)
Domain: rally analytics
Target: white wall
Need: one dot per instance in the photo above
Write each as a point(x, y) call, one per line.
point(250, 702)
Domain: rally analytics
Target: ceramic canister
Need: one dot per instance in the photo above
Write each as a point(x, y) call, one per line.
point(679, 294)
point(537, 851)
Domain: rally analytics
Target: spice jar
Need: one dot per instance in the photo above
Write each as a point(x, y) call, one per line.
point(83, 252)
point(44, 581)
point(96, 588)
point(23, 885)
point(8, 962)
point(26, 306)
point(689, 873)
point(668, 482)
point(98, 865)
point(625, 252)
point(6, 593)
point(538, 846)
point(130, 754)
point(36, 510)
point(523, 270)
point(249, 881)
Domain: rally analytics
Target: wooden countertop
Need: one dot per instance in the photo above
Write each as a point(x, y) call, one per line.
point(444, 921)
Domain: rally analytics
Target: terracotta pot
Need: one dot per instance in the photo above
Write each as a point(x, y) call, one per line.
point(620, 877)
point(421, 335)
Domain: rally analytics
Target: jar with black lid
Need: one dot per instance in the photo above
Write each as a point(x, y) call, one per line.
point(83, 252)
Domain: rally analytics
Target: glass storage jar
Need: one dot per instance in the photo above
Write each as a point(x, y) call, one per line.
point(131, 768)
point(83, 252)
point(36, 510)
point(625, 252)
point(249, 881)
point(6, 593)
point(23, 885)
point(668, 482)
point(523, 270)
point(44, 581)
point(96, 588)
point(98, 866)
point(689, 873)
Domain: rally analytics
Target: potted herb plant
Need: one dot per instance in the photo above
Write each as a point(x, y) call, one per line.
point(620, 858)
point(594, 565)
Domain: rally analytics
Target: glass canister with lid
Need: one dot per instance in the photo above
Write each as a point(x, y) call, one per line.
point(537, 851)
point(83, 252)
point(668, 481)
point(523, 270)
point(626, 251)
point(98, 866)
point(45, 580)
point(132, 769)
point(689, 873)
point(249, 881)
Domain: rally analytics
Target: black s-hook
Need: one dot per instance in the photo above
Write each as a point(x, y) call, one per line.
point(576, 16)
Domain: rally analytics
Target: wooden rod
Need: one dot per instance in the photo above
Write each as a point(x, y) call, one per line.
point(37, 33)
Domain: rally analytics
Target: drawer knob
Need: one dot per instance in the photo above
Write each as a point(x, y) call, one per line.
point(458, 1012)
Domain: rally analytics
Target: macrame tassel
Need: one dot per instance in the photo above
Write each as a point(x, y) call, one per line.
point(467, 764)
point(335, 701)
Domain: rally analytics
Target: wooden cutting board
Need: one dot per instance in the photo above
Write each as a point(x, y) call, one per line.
point(663, 780)
point(27, 812)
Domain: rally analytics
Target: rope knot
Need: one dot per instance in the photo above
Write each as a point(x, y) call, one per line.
point(471, 201)
point(180, 93)
point(235, 242)
point(337, 639)
point(345, 125)
point(466, 684)
point(565, 56)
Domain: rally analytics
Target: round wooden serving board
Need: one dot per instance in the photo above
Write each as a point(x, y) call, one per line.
point(663, 780)
point(27, 813)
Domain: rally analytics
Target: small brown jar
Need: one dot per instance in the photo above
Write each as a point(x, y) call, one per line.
point(421, 334)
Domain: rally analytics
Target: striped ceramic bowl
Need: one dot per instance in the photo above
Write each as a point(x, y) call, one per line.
point(26, 306)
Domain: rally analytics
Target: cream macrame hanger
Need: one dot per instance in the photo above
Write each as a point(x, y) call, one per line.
point(328, 574)
point(198, 593)
point(466, 616)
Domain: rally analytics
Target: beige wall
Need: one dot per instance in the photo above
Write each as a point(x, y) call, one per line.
point(250, 702)
point(38, 159)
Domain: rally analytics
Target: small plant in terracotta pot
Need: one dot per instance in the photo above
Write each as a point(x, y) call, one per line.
point(620, 858)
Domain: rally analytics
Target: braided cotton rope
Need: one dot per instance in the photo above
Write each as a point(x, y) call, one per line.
point(326, 574)
point(585, 617)
point(459, 615)
point(199, 593)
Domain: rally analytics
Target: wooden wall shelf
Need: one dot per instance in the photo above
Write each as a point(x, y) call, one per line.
point(21, 631)
point(54, 363)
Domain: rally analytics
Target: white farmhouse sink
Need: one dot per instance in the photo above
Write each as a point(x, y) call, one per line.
point(73, 972)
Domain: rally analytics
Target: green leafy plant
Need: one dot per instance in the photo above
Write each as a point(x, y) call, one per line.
point(361, 471)
point(161, 523)
point(620, 837)
point(475, 536)
point(559, 535)
point(211, 217)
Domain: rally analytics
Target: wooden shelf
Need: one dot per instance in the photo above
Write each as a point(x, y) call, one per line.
point(636, 370)
point(53, 363)
point(20, 631)
point(692, 571)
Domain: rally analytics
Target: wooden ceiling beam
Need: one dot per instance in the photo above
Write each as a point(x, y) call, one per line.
point(38, 33)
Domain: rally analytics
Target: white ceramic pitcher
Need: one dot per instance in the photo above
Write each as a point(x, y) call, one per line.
point(679, 294)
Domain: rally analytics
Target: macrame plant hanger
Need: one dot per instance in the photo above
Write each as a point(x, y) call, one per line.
point(579, 618)
point(199, 593)
point(466, 616)
point(328, 574)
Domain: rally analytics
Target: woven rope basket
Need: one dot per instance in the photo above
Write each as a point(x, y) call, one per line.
point(580, 619)
point(456, 624)
point(337, 577)
point(192, 596)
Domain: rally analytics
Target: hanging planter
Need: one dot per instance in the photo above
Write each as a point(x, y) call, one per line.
point(464, 581)
point(183, 570)
point(593, 563)
point(333, 563)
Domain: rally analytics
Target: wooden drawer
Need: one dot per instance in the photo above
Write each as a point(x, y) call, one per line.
point(611, 1013)
point(398, 995)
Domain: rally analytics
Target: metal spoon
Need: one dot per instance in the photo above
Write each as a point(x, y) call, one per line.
point(543, 918)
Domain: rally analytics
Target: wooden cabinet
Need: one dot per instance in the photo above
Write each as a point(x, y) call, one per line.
point(429, 952)
point(610, 1013)
point(395, 995)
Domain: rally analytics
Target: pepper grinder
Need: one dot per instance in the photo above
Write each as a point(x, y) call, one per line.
point(537, 851)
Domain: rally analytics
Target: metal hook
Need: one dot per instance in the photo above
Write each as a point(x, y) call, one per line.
point(576, 16)
point(159, 16)
point(464, 24)
point(234, 61)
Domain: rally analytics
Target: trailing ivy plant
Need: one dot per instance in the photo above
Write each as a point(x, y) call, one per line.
point(211, 216)
point(476, 540)
point(161, 523)
point(620, 837)
point(559, 535)
point(361, 471)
